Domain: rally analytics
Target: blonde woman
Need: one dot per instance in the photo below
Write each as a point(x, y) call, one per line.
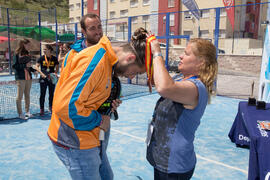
point(23, 76)
point(180, 108)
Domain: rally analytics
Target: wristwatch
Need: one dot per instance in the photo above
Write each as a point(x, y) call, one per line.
point(157, 54)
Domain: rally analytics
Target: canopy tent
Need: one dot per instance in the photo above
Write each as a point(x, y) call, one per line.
point(3, 39)
point(15, 40)
point(66, 37)
point(46, 33)
point(34, 32)
point(31, 32)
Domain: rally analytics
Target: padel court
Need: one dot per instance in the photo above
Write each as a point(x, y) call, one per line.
point(26, 152)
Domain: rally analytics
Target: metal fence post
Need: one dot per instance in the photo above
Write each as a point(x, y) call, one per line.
point(167, 39)
point(129, 38)
point(76, 32)
point(217, 29)
point(82, 7)
point(216, 39)
point(39, 26)
point(9, 51)
point(56, 32)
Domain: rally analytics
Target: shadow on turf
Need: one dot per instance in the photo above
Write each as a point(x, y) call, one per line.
point(14, 121)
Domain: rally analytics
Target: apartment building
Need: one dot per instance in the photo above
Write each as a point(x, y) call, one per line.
point(166, 6)
point(245, 38)
point(75, 10)
point(118, 12)
point(75, 13)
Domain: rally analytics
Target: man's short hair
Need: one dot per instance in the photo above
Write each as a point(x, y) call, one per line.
point(89, 15)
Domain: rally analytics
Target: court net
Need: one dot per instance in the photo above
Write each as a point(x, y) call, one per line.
point(8, 94)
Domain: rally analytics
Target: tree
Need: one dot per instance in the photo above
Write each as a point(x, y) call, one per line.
point(17, 5)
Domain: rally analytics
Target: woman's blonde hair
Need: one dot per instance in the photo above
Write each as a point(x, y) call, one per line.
point(205, 50)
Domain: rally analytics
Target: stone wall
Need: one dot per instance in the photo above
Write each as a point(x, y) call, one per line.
point(242, 64)
point(249, 65)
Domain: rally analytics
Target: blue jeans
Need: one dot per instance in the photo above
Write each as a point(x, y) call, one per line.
point(86, 164)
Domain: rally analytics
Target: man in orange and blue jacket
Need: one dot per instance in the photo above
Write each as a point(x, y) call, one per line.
point(84, 84)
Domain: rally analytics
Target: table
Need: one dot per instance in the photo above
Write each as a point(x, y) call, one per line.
point(246, 132)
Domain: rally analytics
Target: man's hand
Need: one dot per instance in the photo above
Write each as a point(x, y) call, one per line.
point(115, 104)
point(105, 124)
point(155, 47)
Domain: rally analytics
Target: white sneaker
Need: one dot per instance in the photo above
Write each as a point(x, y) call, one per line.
point(28, 115)
point(21, 116)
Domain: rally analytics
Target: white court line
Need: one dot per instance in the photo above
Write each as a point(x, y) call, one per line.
point(200, 157)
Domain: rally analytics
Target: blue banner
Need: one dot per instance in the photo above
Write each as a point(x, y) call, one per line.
point(264, 88)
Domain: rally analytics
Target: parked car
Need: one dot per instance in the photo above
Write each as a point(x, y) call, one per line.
point(162, 44)
point(173, 66)
point(221, 51)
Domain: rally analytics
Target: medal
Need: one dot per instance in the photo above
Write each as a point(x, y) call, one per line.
point(48, 64)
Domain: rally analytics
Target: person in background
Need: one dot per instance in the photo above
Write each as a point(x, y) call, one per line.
point(7, 55)
point(177, 115)
point(23, 76)
point(92, 30)
point(84, 84)
point(47, 64)
point(63, 50)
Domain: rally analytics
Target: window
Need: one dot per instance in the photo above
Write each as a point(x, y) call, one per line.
point(171, 40)
point(71, 20)
point(171, 19)
point(205, 13)
point(112, 1)
point(69, 28)
point(95, 5)
point(145, 18)
point(222, 33)
point(171, 3)
point(122, 28)
point(71, 7)
point(133, 3)
point(146, 2)
point(78, 5)
point(164, 19)
point(85, 4)
point(223, 12)
point(188, 33)
point(112, 14)
point(134, 20)
point(124, 13)
point(187, 15)
point(204, 34)
point(78, 18)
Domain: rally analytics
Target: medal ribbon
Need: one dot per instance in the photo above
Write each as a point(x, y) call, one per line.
point(148, 62)
point(47, 62)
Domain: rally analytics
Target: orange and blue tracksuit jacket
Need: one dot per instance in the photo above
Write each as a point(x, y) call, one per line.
point(75, 49)
point(84, 84)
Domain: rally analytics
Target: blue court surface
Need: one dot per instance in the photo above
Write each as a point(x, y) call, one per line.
point(26, 151)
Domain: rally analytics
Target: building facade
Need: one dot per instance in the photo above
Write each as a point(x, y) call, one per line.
point(75, 10)
point(245, 38)
point(174, 7)
point(118, 12)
